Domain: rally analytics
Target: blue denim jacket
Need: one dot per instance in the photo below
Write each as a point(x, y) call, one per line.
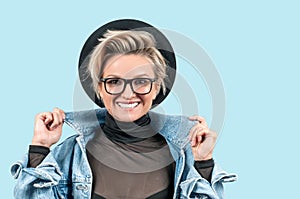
point(65, 172)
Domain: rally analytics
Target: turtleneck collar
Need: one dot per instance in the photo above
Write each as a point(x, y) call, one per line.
point(128, 132)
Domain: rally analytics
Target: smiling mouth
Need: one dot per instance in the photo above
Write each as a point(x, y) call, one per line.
point(128, 105)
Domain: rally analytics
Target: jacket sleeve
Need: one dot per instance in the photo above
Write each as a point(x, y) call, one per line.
point(193, 185)
point(39, 182)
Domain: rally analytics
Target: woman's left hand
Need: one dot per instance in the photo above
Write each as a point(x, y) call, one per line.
point(202, 139)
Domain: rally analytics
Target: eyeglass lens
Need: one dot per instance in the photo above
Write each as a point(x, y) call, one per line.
point(138, 85)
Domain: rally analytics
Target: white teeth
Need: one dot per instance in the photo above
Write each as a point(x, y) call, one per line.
point(131, 105)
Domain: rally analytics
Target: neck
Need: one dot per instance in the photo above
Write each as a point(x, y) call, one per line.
point(128, 132)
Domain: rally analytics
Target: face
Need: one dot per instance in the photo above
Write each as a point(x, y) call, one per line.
point(128, 106)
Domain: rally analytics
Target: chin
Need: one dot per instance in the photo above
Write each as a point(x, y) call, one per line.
point(127, 117)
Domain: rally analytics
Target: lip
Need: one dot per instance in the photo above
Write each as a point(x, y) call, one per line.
point(128, 102)
point(128, 105)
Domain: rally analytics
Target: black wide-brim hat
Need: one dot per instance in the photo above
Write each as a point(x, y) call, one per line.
point(162, 44)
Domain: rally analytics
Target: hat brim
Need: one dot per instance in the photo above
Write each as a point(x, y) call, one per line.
point(163, 45)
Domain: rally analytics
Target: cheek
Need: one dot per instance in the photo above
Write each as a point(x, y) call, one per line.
point(107, 99)
point(155, 92)
point(148, 99)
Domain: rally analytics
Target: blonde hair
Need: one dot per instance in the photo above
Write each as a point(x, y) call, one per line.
point(126, 42)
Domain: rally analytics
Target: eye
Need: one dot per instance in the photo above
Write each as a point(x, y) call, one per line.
point(113, 82)
point(141, 81)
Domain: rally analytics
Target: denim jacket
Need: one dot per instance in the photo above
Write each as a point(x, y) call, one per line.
point(65, 171)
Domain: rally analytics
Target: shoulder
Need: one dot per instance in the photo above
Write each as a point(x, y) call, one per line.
point(175, 128)
point(85, 122)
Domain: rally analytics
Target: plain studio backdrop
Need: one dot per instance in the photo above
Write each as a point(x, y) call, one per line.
point(253, 44)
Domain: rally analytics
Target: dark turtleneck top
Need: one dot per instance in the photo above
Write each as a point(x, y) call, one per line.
point(129, 160)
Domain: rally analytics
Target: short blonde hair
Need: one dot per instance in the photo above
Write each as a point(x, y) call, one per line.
point(125, 42)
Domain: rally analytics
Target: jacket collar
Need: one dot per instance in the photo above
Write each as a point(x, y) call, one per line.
point(175, 129)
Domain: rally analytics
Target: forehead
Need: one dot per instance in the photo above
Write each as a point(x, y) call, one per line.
point(128, 66)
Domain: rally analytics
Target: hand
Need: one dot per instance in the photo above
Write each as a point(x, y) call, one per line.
point(202, 139)
point(48, 128)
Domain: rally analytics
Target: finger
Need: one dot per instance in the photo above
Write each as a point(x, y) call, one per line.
point(213, 133)
point(198, 137)
point(193, 130)
point(196, 128)
point(57, 120)
point(46, 117)
point(60, 111)
point(199, 119)
point(59, 117)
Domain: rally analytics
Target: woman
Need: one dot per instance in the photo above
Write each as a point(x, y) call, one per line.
point(124, 150)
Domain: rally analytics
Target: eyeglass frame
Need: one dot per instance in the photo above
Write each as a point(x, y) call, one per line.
point(128, 81)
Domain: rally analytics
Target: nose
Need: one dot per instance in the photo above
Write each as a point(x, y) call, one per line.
point(128, 92)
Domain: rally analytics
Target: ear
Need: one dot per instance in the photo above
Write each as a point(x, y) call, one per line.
point(100, 90)
point(157, 89)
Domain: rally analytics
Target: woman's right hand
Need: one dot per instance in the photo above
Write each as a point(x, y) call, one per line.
point(48, 128)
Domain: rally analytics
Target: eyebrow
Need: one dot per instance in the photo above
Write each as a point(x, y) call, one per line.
point(119, 76)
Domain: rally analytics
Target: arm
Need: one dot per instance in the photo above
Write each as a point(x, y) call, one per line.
point(48, 128)
point(202, 142)
point(202, 139)
point(202, 145)
point(32, 182)
point(36, 155)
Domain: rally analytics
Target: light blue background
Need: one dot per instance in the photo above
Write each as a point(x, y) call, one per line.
point(254, 45)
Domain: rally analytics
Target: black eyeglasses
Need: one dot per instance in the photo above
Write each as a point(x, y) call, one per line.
point(115, 86)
